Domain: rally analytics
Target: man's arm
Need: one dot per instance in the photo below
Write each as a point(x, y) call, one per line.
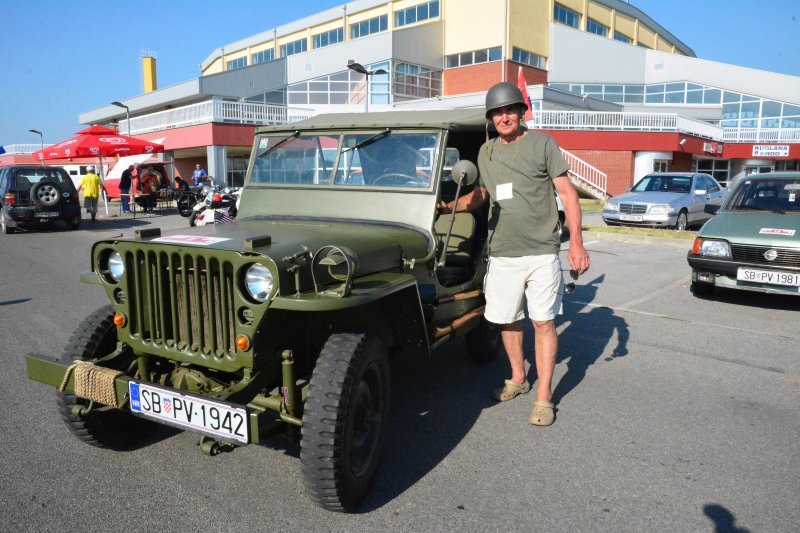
point(468, 202)
point(578, 256)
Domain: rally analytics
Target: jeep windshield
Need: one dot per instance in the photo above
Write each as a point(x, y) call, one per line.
point(384, 158)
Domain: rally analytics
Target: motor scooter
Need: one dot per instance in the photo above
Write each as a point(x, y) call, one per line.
point(217, 207)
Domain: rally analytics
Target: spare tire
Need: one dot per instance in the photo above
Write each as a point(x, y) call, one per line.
point(46, 193)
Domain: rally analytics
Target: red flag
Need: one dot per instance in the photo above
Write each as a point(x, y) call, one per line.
point(523, 87)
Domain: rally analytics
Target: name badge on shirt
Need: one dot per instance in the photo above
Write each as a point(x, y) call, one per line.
point(504, 191)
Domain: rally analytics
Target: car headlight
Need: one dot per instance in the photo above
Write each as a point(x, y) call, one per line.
point(661, 209)
point(612, 206)
point(711, 248)
point(259, 282)
point(116, 267)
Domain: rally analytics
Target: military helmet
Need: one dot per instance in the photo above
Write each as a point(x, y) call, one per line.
point(503, 94)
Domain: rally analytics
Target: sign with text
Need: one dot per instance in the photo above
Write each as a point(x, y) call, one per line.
point(770, 150)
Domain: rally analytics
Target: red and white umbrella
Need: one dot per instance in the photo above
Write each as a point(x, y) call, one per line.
point(97, 141)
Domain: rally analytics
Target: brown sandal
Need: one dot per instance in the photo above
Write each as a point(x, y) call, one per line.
point(542, 414)
point(510, 391)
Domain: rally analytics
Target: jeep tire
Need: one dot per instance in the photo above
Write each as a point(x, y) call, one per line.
point(345, 419)
point(46, 194)
point(117, 429)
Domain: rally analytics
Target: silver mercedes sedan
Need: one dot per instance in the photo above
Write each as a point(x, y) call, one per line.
point(673, 200)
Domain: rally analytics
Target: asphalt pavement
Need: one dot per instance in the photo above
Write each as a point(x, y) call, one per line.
point(674, 413)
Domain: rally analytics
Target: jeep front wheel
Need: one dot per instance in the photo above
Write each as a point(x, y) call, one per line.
point(345, 419)
point(103, 427)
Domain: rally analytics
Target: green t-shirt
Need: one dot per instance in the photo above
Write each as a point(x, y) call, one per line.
point(523, 219)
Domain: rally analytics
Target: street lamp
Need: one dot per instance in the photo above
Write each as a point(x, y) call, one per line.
point(127, 115)
point(358, 67)
point(41, 141)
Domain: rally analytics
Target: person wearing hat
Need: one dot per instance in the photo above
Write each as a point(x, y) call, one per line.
point(91, 185)
point(519, 171)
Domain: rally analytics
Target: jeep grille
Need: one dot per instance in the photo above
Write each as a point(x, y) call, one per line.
point(182, 301)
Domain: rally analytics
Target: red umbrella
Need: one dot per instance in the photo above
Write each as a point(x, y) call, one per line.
point(98, 141)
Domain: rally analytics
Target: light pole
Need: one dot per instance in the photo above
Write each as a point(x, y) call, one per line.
point(127, 115)
point(358, 67)
point(41, 141)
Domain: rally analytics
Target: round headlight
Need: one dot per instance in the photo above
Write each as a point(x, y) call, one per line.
point(116, 268)
point(258, 280)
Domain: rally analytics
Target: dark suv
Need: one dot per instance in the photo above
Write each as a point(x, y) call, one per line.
point(35, 195)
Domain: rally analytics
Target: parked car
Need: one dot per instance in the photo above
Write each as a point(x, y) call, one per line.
point(32, 195)
point(672, 200)
point(753, 242)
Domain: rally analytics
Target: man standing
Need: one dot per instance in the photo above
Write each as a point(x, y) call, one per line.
point(91, 185)
point(125, 188)
point(199, 175)
point(519, 171)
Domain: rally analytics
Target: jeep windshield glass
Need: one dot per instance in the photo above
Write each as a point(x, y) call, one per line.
point(371, 159)
point(778, 195)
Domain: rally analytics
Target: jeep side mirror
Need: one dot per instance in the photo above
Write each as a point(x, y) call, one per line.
point(464, 172)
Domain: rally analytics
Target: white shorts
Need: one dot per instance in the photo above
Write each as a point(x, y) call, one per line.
point(509, 280)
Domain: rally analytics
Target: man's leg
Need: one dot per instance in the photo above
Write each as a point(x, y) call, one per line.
point(546, 345)
point(512, 341)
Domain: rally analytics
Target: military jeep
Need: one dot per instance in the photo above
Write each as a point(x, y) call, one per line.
point(289, 317)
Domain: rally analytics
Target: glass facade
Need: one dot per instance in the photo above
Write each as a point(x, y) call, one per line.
point(592, 26)
point(415, 81)
point(347, 87)
point(294, 47)
point(565, 15)
point(474, 57)
point(368, 27)
point(328, 38)
point(417, 13)
point(528, 58)
point(262, 56)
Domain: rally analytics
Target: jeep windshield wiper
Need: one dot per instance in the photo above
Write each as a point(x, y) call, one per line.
point(366, 142)
point(292, 136)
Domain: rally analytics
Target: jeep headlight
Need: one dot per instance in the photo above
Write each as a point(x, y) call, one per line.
point(612, 206)
point(711, 248)
point(259, 282)
point(116, 267)
point(661, 209)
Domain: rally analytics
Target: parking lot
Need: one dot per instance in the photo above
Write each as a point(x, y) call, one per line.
point(674, 413)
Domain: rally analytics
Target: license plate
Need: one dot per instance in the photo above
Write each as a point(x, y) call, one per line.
point(631, 218)
point(771, 277)
point(47, 214)
point(221, 420)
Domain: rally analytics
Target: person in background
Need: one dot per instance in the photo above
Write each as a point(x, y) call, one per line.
point(199, 175)
point(125, 182)
point(180, 185)
point(91, 185)
point(519, 169)
point(149, 185)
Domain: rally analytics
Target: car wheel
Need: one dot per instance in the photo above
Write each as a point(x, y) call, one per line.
point(683, 221)
point(7, 230)
point(484, 342)
point(345, 419)
point(702, 289)
point(193, 218)
point(96, 337)
point(46, 193)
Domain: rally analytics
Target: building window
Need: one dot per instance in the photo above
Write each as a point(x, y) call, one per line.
point(474, 57)
point(367, 27)
point(660, 165)
point(592, 26)
point(622, 37)
point(565, 15)
point(262, 57)
point(417, 13)
point(411, 81)
point(239, 62)
point(328, 38)
point(528, 58)
point(717, 168)
point(294, 47)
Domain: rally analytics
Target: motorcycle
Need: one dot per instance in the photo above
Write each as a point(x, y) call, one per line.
point(219, 206)
point(186, 201)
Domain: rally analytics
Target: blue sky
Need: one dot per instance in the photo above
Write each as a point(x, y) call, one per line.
point(64, 57)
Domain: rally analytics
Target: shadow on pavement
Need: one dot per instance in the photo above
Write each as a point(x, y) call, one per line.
point(724, 520)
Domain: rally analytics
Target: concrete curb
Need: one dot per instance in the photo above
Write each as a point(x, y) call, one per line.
point(637, 239)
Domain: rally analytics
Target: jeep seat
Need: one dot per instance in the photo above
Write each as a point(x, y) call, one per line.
point(458, 258)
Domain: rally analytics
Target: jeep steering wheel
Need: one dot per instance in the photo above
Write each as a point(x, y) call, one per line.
point(398, 177)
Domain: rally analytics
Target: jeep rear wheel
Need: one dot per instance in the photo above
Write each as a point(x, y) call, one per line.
point(484, 342)
point(117, 429)
point(345, 419)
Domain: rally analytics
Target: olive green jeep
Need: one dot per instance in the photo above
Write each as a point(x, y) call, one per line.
point(289, 317)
